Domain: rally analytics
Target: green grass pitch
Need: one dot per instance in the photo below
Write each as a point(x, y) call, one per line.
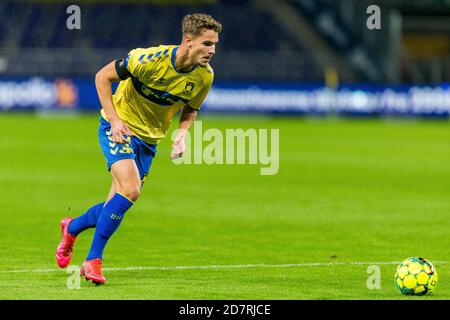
point(349, 194)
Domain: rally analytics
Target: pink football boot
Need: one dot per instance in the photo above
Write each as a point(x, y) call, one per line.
point(92, 270)
point(65, 248)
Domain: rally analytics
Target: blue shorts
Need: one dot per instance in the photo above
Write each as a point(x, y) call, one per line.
point(141, 152)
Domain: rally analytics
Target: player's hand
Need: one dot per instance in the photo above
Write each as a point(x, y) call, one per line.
point(178, 146)
point(119, 130)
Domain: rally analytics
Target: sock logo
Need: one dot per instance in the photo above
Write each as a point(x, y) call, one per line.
point(115, 216)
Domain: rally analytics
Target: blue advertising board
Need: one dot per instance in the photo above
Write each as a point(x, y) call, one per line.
point(80, 94)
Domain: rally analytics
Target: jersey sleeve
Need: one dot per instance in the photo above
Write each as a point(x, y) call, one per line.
point(197, 101)
point(137, 63)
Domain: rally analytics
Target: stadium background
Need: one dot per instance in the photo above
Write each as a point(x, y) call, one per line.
point(364, 151)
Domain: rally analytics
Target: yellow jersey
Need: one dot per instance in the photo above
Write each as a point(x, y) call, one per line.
point(156, 91)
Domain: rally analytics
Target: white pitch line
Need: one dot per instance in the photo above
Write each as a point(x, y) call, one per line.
point(238, 266)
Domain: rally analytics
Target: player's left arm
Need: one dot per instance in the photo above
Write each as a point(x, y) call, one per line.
point(187, 118)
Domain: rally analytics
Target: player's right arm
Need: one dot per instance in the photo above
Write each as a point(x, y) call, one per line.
point(103, 82)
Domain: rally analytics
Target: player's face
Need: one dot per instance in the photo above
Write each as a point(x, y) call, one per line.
point(203, 47)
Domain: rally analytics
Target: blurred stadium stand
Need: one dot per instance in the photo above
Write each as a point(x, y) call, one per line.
point(285, 40)
point(35, 40)
point(413, 45)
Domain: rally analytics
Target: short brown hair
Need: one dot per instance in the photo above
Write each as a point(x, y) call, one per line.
point(195, 24)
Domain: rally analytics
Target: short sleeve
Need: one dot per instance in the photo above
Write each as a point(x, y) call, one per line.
point(137, 64)
point(197, 101)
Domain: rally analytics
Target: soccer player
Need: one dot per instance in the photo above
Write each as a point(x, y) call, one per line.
point(155, 83)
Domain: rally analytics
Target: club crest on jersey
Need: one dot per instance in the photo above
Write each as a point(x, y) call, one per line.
point(189, 87)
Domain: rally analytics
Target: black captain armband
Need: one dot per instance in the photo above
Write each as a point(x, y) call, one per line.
point(122, 70)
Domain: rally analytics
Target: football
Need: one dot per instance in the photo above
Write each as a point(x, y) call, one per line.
point(416, 276)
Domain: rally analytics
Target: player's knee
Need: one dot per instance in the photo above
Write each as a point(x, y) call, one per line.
point(132, 191)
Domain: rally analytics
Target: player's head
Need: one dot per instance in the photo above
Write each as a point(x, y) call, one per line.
point(200, 36)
